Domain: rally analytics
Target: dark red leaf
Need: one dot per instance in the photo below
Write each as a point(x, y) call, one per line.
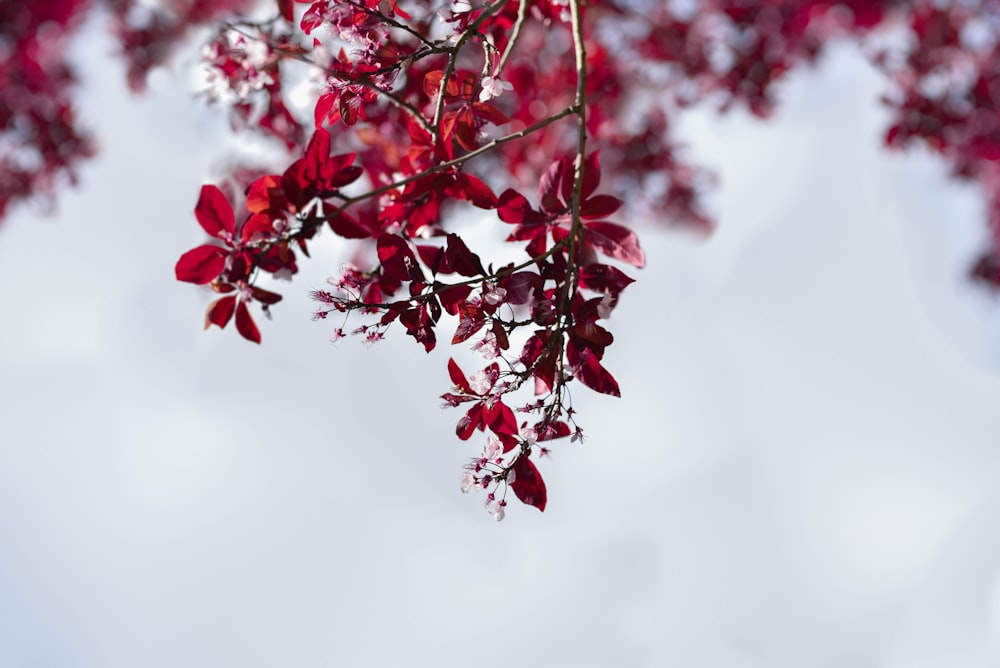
point(603, 278)
point(547, 197)
point(461, 259)
point(587, 369)
point(453, 296)
point(472, 189)
point(245, 324)
point(552, 430)
point(396, 257)
point(347, 227)
point(472, 420)
point(528, 484)
point(500, 419)
point(435, 259)
point(471, 320)
point(220, 311)
point(514, 208)
point(520, 286)
point(600, 206)
point(265, 296)
point(215, 213)
point(458, 378)
point(488, 112)
point(615, 241)
point(201, 265)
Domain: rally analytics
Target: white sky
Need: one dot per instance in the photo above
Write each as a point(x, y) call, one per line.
point(801, 472)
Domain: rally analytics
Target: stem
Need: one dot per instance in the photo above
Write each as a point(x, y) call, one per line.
point(522, 13)
point(470, 31)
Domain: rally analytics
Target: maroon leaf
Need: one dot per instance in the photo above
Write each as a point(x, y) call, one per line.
point(500, 419)
point(348, 227)
point(245, 324)
point(473, 190)
point(201, 265)
point(489, 113)
point(615, 241)
point(528, 484)
point(453, 296)
point(547, 187)
point(600, 206)
point(214, 213)
point(472, 420)
point(435, 259)
point(520, 286)
point(458, 378)
point(471, 320)
point(220, 311)
point(396, 257)
point(603, 278)
point(265, 296)
point(461, 259)
point(514, 208)
point(588, 370)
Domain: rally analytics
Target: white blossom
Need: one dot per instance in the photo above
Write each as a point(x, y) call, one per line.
point(493, 87)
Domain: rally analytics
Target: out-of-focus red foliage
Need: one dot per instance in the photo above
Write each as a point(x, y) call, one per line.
point(41, 143)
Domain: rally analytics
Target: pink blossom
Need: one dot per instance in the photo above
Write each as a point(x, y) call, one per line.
point(493, 87)
point(467, 482)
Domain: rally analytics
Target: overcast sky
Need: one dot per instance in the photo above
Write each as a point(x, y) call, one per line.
point(801, 472)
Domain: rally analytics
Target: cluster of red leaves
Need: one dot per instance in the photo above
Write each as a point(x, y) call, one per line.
point(946, 95)
point(440, 105)
point(41, 140)
point(37, 119)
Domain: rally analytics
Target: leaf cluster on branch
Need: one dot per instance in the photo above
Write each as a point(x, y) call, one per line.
point(554, 116)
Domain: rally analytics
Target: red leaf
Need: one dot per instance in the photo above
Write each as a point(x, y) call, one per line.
point(214, 213)
point(452, 296)
point(323, 112)
point(615, 241)
point(435, 259)
point(317, 153)
point(552, 430)
point(500, 419)
point(471, 320)
point(245, 324)
point(201, 265)
point(265, 296)
point(514, 208)
point(600, 206)
point(470, 421)
point(473, 190)
point(591, 175)
point(259, 193)
point(604, 278)
point(458, 378)
point(547, 188)
point(285, 7)
point(396, 257)
point(347, 227)
point(461, 259)
point(220, 311)
point(488, 112)
point(588, 370)
point(528, 484)
point(520, 286)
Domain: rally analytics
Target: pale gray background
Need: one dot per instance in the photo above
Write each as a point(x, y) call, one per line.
point(802, 471)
